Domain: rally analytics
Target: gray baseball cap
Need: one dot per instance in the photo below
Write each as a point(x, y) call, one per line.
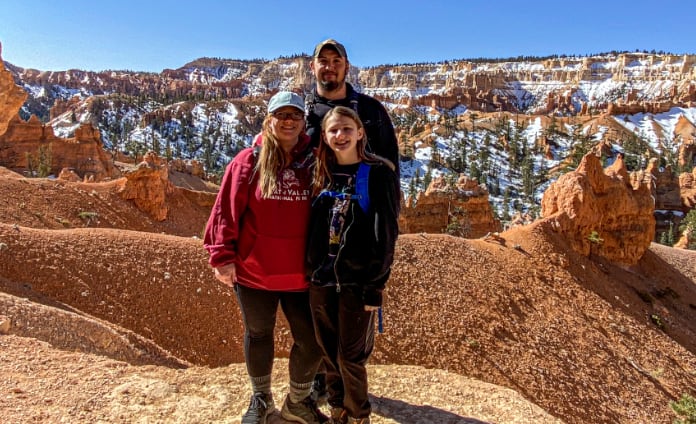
point(285, 98)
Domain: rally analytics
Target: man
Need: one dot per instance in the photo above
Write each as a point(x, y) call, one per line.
point(330, 66)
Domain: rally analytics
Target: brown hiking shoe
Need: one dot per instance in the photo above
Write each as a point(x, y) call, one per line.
point(304, 412)
point(338, 415)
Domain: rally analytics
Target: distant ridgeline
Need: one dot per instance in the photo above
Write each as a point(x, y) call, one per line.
point(514, 126)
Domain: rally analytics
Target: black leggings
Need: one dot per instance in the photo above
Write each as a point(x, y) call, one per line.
point(259, 309)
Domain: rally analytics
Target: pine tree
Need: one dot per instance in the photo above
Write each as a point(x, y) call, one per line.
point(472, 118)
point(688, 228)
point(474, 171)
point(45, 161)
point(435, 157)
point(663, 238)
point(542, 173)
point(155, 142)
point(31, 164)
point(527, 171)
point(634, 149)
point(407, 152)
point(514, 151)
point(428, 177)
point(505, 215)
point(670, 234)
point(458, 224)
point(457, 159)
point(412, 190)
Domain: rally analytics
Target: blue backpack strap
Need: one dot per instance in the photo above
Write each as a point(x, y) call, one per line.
point(362, 189)
point(334, 194)
point(362, 186)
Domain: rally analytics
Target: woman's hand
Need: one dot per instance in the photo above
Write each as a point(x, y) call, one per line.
point(226, 274)
point(370, 308)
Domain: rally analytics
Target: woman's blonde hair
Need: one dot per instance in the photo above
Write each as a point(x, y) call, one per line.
point(271, 160)
point(326, 157)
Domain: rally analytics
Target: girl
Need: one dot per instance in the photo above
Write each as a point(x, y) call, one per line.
point(256, 238)
point(350, 248)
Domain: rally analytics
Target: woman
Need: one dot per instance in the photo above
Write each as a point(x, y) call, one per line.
point(256, 239)
point(350, 248)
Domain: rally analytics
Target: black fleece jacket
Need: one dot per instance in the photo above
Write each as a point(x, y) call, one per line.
point(367, 242)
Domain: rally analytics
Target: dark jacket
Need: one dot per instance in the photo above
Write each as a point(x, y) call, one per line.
point(381, 139)
point(367, 242)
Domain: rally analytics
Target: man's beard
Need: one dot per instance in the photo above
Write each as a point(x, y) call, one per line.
point(330, 85)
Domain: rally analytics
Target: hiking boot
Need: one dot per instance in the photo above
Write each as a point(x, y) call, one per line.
point(365, 420)
point(260, 407)
point(319, 393)
point(338, 415)
point(304, 412)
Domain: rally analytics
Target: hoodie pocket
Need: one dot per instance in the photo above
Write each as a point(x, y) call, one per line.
point(277, 256)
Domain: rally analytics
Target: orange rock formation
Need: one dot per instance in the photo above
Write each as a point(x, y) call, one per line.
point(463, 207)
point(22, 143)
point(84, 153)
point(603, 212)
point(11, 96)
point(148, 186)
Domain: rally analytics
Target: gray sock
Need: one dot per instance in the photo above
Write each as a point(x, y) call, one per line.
point(299, 391)
point(261, 384)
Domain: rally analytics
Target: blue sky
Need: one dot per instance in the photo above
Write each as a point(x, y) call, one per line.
point(153, 35)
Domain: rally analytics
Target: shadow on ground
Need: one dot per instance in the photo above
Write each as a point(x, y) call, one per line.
point(406, 413)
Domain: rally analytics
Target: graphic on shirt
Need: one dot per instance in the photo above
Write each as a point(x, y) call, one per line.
point(339, 210)
point(290, 188)
point(338, 219)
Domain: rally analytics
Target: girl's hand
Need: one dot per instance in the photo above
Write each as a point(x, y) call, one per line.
point(371, 308)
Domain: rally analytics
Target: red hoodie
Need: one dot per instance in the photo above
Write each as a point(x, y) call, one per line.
point(265, 238)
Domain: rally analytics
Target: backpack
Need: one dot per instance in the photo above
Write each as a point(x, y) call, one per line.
point(353, 97)
point(311, 101)
point(362, 189)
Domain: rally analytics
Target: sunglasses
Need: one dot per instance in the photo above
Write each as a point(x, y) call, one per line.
point(282, 116)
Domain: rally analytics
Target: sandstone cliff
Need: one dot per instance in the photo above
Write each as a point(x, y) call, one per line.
point(25, 144)
point(541, 86)
point(29, 145)
point(11, 96)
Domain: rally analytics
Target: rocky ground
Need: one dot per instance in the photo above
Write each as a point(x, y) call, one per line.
point(123, 323)
point(43, 384)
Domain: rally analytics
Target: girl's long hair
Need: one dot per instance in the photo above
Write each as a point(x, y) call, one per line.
point(326, 158)
point(271, 160)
